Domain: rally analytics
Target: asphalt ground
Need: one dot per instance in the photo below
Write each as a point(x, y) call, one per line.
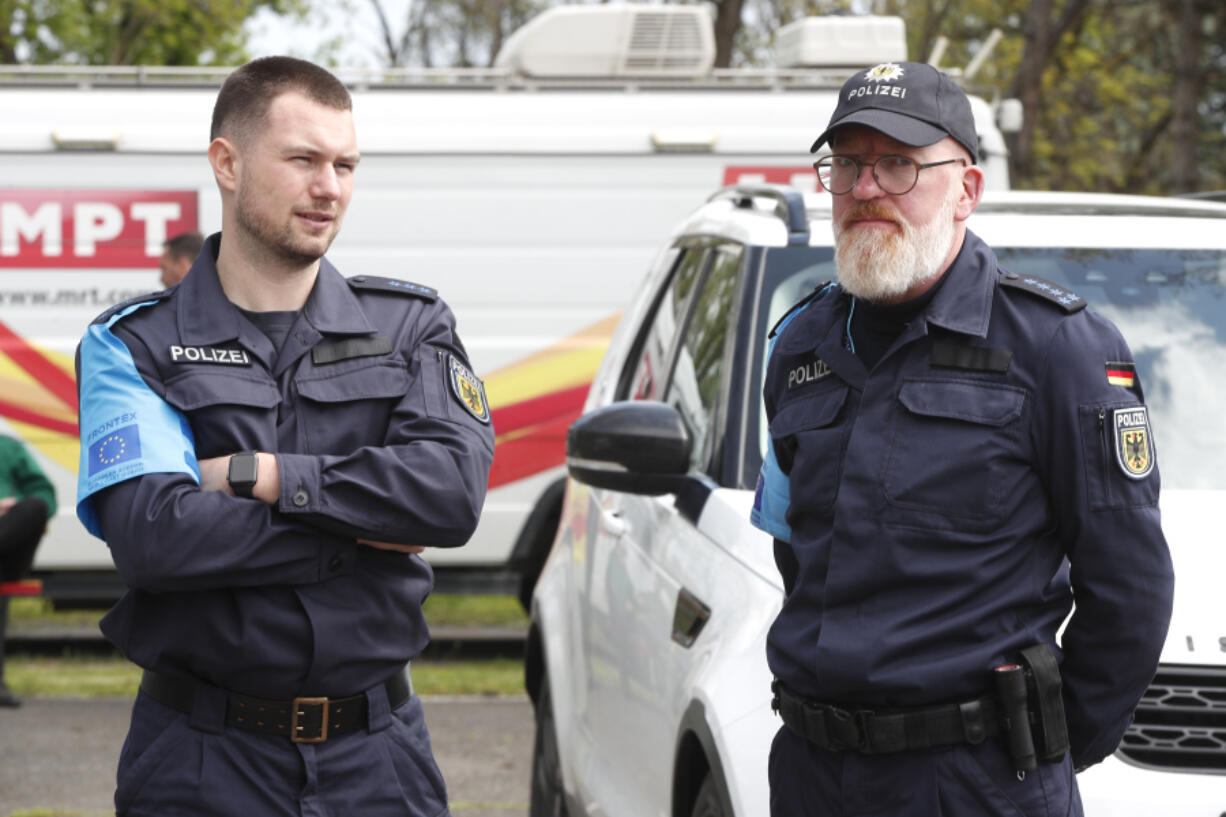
point(60, 754)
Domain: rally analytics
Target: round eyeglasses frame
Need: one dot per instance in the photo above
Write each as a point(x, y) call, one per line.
point(824, 167)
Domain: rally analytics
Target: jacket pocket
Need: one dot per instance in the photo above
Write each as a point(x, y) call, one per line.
point(956, 449)
point(806, 431)
point(227, 412)
point(341, 411)
point(1121, 471)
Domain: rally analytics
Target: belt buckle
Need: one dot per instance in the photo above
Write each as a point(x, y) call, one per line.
point(848, 729)
point(296, 727)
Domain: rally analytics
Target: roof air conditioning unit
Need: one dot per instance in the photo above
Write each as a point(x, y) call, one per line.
point(613, 40)
point(841, 42)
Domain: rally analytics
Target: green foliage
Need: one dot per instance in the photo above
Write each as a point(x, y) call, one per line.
point(130, 32)
point(1104, 113)
point(80, 677)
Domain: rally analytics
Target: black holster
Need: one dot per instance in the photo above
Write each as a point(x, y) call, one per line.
point(1032, 708)
point(1046, 702)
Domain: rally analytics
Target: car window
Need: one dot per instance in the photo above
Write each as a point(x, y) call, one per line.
point(655, 346)
point(701, 359)
point(1170, 305)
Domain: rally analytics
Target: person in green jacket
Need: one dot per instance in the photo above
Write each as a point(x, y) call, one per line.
point(27, 501)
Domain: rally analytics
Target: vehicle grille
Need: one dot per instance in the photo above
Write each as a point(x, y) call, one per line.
point(1181, 721)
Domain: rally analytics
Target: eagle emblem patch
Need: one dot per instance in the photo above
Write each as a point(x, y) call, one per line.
point(467, 389)
point(1134, 444)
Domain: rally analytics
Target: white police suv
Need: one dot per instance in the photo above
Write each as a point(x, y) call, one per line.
point(646, 655)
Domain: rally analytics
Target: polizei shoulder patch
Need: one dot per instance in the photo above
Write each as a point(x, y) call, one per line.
point(1068, 301)
point(467, 389)
point(374, 282)
point(1134, 444)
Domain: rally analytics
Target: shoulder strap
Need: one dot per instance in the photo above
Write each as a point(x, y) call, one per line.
point(123, 308)
point(1069, 301)
point(377, 284)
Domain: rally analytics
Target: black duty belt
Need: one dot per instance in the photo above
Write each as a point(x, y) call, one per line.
point(302, 720)
point(874, 732)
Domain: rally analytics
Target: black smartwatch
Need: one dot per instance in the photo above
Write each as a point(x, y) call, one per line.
point(244, 469)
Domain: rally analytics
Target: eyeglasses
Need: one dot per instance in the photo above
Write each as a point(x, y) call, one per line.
point(895, 175)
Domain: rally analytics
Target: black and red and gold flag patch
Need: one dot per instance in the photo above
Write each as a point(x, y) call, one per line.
point(1121, 374)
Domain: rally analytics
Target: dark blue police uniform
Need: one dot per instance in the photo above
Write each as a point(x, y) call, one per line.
point(926, 514)
point(235, 606)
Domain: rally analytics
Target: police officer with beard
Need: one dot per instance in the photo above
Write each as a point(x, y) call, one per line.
point(957, 454)
point(265, 447)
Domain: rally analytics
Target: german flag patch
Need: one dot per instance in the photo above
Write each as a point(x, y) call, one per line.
point(1121, 374)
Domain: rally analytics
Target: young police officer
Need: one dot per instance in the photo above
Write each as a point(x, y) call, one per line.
point(948, 439)
point(264, 447)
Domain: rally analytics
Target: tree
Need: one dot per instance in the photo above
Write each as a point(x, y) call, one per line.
point(459, 33)
point(129, 32)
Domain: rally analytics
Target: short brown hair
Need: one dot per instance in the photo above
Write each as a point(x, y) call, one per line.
point(248, 92)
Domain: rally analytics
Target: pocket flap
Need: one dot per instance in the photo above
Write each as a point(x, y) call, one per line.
point(385, 379)
point(813, 410)
point(972, 402)
point(193, 390)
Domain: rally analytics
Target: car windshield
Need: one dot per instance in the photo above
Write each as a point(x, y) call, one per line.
point(1169, 304)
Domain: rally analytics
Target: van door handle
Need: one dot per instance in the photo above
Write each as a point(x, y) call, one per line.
point(613, 524)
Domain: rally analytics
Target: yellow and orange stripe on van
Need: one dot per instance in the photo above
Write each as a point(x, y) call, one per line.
point(533, 401)
point(38, 396)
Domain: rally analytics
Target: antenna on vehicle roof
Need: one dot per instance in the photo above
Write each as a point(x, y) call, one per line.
point(981, 55)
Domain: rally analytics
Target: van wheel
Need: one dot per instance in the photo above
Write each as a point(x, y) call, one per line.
point(548, 799)
point(707, 802)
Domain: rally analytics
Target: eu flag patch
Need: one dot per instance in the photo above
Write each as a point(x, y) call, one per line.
point(120, 445)
point(1121, 374)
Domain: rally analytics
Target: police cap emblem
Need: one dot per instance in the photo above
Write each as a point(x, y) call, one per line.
point(467, 389)
point(1134, 444)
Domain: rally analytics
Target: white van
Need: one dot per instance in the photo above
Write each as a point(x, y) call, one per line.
point(531, 195)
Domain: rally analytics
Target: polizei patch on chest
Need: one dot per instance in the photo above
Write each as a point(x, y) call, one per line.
point(215, 355)
point(810, 372)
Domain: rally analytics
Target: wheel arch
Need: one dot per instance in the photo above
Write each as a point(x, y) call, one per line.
point(536, 538)
point(696, 756)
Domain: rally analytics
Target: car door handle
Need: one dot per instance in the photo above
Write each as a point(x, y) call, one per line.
point(689, 617)
point(613, 524)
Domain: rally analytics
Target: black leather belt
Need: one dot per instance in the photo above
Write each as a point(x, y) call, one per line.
point(302, 720)
point(872, 732)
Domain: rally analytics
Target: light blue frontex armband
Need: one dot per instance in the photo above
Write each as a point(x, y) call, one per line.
point(126, 429)
point(771, 499)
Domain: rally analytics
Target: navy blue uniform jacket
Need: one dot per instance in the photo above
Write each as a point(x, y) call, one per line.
point(371, 442)
point(938, 502)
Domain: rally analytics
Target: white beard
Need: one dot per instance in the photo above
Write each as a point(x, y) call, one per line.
point(879, 267)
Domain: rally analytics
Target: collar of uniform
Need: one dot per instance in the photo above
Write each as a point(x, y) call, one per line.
point(964, 302)
point(332, 307)
point(206, 316)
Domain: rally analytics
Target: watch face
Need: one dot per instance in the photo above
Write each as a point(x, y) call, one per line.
point(242, 473)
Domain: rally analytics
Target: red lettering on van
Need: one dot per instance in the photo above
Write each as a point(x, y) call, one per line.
point(91, 228)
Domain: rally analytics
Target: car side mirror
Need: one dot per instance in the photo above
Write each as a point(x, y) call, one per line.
point(635, 446)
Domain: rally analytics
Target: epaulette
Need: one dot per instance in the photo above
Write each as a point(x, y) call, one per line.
point(1070, 302)
point(377, 284)
point(139, 299)
point(820, 290)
